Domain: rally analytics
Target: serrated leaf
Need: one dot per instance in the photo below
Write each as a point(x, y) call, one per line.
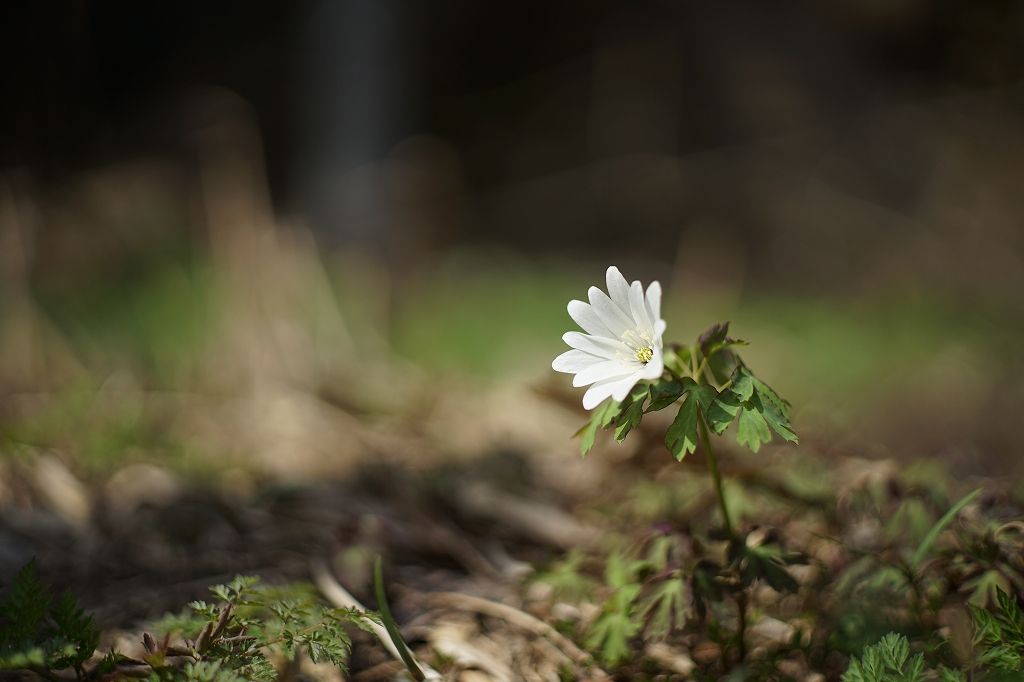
point(950, 675)
point(778, 422)
point(681, 437)
point(611, 632)
point(751, 427)
point(895, 651)
point(774, 409)
point(77, 627)
point(610, 635)
point(631, 412)
point(755, 406)
point(730, 401)
point(25, 606)
point(915, 669)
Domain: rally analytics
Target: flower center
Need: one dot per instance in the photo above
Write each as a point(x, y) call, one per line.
point(640, 342)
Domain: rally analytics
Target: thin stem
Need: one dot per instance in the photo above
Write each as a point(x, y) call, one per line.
point(701, 366)
point(741, 598)
point(709, 453)
point(741, 609)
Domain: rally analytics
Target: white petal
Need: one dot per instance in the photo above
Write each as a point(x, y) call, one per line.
point(572, 361)
point(638, 307)
point(602, 371)
point(654, 300)
point(659, 329)
point(587, 318)
point(595, 345)
point(618, 288)
point(654, 367)
point(613, 317)
point(613, 388)
point(622, 387)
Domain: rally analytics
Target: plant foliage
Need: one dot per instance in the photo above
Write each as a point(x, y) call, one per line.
point(43, 633)
point(710, 383)
point(234, 639)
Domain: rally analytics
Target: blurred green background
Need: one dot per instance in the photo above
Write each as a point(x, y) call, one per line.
point(215, 235)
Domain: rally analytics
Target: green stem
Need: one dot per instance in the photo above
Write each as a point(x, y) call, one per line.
point(709, 452)
point(716, 476)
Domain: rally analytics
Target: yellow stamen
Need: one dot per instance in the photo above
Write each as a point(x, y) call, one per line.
point(644, 354)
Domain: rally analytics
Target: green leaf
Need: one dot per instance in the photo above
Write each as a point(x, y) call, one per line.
point(895, 650)
point(730, 401)
point(755, 406)
point(664, 393)
point(600, 418)
point(610, 636)
point(774, 409)
point(631, 412)
point(611, 632)
point(76, 627)
point(681, 437)
point(888, 661)
point(752, 429)
point(25, 606)
point(666, 608)
point(1001, 636)
point(950, 675)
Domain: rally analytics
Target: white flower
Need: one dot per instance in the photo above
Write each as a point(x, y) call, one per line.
point(622, 345)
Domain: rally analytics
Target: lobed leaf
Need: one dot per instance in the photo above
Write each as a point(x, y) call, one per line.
point(757, 409)
point(752, 429)
point(681, 437)
point(666, 609)
point(631, 412)
point(730, 401)
point(600, 418)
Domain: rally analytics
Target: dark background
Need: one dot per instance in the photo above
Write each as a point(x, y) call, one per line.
point(520, 97)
